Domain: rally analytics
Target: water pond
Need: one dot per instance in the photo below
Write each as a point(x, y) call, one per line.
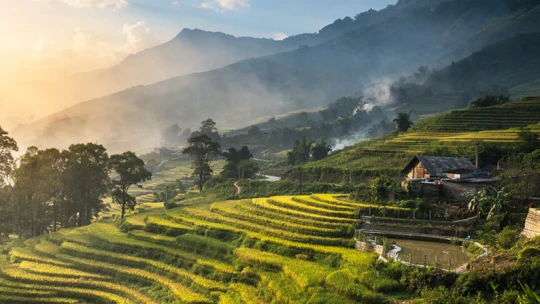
point(444, 255)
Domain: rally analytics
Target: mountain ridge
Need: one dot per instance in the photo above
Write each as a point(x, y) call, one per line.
point(305, 77)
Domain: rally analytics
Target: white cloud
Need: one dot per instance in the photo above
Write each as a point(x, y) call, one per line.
point(138, 38)
point(280, 36)
point(87, 48)
point(115, 4)
point(175, 3)
point(223, 5)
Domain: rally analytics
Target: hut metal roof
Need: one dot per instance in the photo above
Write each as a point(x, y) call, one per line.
point(436, 166)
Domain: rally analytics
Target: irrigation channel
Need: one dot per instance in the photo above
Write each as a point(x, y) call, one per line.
point(442, 255)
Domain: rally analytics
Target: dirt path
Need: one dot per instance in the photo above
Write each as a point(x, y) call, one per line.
point(238, 189)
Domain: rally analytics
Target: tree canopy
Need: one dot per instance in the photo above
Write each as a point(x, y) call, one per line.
point(403, 121)
point(239, 163)
point(204, 150)
point(7, 146)
point(131, 171)
point(490, 100)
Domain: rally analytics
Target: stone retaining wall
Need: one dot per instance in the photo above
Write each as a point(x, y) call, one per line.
point(532, 224)
point(369, 247)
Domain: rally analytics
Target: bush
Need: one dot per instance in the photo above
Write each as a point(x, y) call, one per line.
point(529, 253)
point(507, 237)
point(510, 296)
point(378, 283)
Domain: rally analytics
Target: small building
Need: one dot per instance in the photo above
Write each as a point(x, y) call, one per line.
point(445, 178)
point(435, 167)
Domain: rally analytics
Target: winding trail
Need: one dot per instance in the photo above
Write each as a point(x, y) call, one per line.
point(238, 189)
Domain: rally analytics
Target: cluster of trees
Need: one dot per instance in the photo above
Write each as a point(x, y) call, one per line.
point(343, 117)
point(304, 151)
point(239, 163)
point(490, 100)
point(204, 146)
point(48, 189)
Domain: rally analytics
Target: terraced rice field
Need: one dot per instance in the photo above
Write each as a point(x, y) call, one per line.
point(510, 115)
point(282, 249)
point(419, 142)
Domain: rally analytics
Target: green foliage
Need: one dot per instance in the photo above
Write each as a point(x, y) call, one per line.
point(381, 187)
point(403, 121)
point(300, 152)
point(379, 283)
point(519, 174)
point(491, 202)
point(530, 141)
point(530, 297)
point(507, 237)
point(131, 171)
point(7, 146)
point(320, 150)
point(204, 150)
point(239, 164)
point(489, 101)
point(529, 253)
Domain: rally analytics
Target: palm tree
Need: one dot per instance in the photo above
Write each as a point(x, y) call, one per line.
point(403, 121)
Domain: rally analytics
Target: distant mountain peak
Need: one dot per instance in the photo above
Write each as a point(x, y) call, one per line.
point(188, 33)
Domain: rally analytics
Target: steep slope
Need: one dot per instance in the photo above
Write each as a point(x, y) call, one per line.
point(508, 63)
point(191, 51)
point(306, 77)
point(451, 134)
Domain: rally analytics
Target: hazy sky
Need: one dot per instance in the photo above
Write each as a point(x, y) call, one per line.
point(48, 40)
point(77, 35)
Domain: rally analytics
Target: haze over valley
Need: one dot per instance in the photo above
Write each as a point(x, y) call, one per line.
point(270, 151)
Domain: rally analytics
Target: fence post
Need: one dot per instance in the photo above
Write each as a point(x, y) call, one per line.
point(425, 261)
point(436, 261)
point(410, 259)
point(450, 265)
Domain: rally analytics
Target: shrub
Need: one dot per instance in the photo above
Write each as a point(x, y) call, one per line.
point(529, 253)
point(507, 237)
point(509, 297)
point(379, 283)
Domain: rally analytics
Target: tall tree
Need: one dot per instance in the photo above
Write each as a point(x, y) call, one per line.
point(7, 164)
point(320, 150)
point(38, 190)
point(7, 146)
point(131, 171)
point(403, 121)
point(208, 128)
point(205, 150)
point(300, 152)
point(86, 181)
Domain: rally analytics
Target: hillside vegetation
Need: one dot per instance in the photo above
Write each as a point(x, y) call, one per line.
point(448, 134)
